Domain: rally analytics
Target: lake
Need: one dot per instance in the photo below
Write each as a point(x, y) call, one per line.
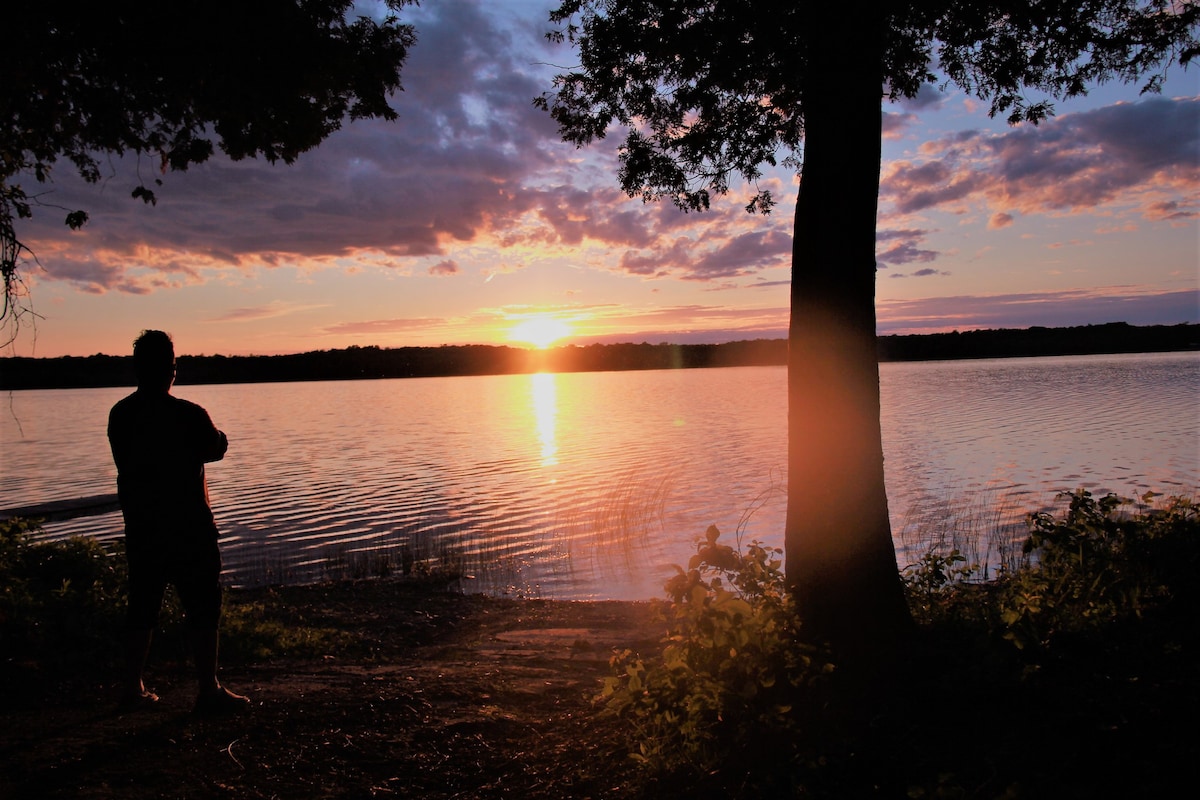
point(591, 485)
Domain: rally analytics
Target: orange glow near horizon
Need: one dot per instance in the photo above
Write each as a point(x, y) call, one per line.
point(539, 331)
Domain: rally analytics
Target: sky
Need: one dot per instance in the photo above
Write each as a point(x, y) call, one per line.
point(468, 221)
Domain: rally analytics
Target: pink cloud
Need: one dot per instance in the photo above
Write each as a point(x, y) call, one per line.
point(382, 326)
point(447, 267)
point(1171, 210)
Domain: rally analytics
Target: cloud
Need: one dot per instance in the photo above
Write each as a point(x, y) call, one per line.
point(928, 97)
point(914, 187)
point(921, 273)
point(1171, 210)
point(1128, 153)
point(470, 162)
point(603, 215)
point(897, 247)
point(454, 168)
point(683, 324)
point(894, 124)
point(714, 247)
point(275, 308)
point(447, 267)
point(742, 254)
point(472, 168)
point(377, 327)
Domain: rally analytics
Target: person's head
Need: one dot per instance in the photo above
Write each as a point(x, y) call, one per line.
point(154, 360)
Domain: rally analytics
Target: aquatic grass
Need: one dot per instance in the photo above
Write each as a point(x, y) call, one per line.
point(610, 534)
point(413, 555)
point(776, 488)
point(985, 527)
point(988, 527)
point(625, 518)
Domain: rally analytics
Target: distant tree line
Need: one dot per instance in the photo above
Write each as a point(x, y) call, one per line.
point(358, 363)
point(1113, 337)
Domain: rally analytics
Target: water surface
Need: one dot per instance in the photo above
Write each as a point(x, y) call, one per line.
point(591, 485)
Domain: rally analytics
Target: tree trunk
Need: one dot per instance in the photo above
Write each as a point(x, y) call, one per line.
point(840, 560)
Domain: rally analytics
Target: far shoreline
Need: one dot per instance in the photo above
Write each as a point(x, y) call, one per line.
point(373, 363)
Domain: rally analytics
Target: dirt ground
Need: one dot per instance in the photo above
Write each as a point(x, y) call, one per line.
point(427, 694)
point(402, 691)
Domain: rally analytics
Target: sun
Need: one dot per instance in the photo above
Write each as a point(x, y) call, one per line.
point(540, 332)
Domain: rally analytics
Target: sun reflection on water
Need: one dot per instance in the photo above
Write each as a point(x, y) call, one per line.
point(544, 390)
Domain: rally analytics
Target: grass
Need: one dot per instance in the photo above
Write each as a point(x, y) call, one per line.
point(987, 528)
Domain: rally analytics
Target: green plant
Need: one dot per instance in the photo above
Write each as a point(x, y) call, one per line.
point(932, 581)
point(60, 601)
point(62, 610)
point(733, 668)
point(1103, 560)
point(252, 631)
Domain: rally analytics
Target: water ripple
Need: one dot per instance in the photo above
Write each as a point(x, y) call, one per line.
point(596, 489)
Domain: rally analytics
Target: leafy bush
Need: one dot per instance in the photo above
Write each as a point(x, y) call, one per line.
point(61, 602)
point(1100, 563)
point(62, 612)
point(732, 670)
point(936, 585)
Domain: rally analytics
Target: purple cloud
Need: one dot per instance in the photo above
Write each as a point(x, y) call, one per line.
point(901, 247)
point(453, 168)
point(1075, 162)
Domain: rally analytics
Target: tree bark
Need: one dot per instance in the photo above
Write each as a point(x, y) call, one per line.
point(840, 560)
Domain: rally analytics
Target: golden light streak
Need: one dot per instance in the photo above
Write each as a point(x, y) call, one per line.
point(544, 388)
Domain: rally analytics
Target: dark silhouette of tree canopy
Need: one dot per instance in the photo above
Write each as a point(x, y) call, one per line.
point(708, 92)
point(172, 81)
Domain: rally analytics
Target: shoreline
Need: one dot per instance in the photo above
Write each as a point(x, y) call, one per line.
point(373, 363)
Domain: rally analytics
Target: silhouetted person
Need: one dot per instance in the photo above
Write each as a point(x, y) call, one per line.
point(160, 444)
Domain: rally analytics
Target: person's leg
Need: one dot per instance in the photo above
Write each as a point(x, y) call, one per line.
point(137, 648)
point(147, 584)
point(200, 592)
point(204, 651)
point(211, 696)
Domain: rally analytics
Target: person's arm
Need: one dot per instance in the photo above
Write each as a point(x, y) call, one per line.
point(220, 446)
point(212, 442)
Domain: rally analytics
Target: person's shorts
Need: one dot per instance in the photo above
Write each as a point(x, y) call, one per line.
point(192, 564)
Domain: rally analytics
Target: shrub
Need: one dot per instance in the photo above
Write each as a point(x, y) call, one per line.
point(733, 669)
point(61, 602)
point(936, 585)
point(1100, 563)
point(62, 612)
